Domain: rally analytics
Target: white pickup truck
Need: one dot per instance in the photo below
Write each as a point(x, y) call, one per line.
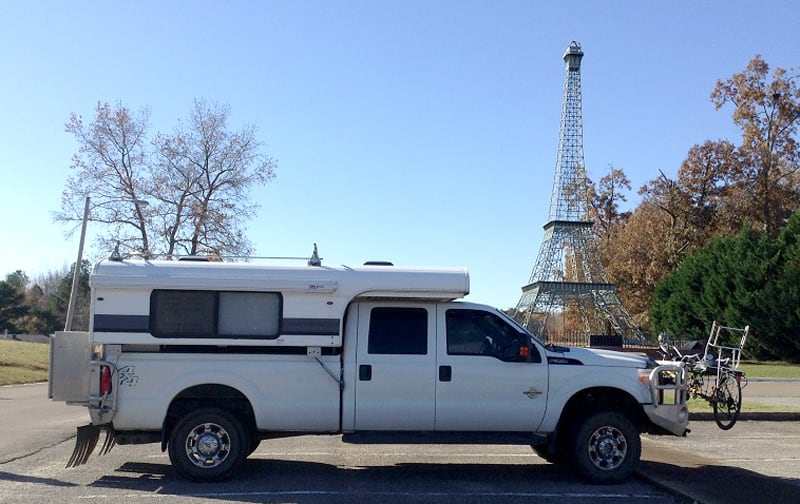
point(210, 358)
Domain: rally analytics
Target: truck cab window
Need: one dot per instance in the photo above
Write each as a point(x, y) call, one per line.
point(476, 332)
point(398, 331)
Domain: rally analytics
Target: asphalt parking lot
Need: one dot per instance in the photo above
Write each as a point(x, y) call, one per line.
point(317, 470)
point(758, 460)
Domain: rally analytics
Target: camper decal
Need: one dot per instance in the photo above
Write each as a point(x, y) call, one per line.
point(128, 376)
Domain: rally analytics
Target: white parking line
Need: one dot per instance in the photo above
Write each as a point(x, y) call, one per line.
point(793, 459)
point(394, 454)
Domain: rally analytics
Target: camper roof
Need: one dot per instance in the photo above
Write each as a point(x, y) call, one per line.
point(365, 281)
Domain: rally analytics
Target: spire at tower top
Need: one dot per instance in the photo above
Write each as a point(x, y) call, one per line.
point(569, 199)
point(573, 55)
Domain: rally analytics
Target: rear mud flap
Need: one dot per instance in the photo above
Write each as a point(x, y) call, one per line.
point(86, 441)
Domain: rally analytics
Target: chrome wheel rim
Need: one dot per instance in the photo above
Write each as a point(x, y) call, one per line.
point(607, 448)
point(208, 445)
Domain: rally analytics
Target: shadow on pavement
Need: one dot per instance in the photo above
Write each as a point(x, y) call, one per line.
point(712, 484)
point(6, 476)
point(260, 480)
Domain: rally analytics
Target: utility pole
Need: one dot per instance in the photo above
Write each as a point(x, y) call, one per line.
point(77, 273)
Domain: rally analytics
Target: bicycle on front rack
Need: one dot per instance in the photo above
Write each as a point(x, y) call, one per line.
point(715, 375)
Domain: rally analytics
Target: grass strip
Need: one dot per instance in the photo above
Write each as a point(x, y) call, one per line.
point(22, 362)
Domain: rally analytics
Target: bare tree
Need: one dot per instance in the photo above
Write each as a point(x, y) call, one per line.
point(111, 166)
point(202, 181)
point(196, 179)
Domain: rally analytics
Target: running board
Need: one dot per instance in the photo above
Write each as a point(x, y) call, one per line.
point(414, 437)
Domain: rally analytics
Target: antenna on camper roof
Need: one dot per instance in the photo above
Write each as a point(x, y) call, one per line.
point(315, 260)
point(115, 255)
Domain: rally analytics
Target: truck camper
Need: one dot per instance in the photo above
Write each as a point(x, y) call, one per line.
point(210, 358)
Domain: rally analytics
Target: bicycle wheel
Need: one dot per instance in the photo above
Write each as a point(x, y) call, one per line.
point(727, 401)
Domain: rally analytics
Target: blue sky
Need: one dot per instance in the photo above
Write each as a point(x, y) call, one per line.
point(421, 132)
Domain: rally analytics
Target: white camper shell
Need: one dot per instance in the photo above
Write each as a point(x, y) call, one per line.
point(186, 302)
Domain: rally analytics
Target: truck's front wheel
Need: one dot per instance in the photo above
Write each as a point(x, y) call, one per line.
point(606, 447)
point(208, 444)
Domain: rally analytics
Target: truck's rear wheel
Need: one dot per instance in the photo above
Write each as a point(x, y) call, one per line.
point(208, 444)
point(605, 447)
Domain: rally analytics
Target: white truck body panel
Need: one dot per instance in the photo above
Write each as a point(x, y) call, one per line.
point(287, 392)
point(565, 380)
point(401, 392)
point(517, 391)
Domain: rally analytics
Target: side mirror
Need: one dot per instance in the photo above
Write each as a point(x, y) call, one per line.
point(531, 353)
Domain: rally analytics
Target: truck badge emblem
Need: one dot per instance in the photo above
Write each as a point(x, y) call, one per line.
point(532, 393)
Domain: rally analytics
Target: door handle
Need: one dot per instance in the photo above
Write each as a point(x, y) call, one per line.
point(365, 372)
point(445, 373)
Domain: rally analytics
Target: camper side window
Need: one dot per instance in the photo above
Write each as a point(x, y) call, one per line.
point(213, 314)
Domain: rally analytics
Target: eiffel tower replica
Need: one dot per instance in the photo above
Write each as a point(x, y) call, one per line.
point(568, 296)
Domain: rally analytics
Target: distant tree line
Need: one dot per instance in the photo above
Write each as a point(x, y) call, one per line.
point(39, 306)
point(717, 242)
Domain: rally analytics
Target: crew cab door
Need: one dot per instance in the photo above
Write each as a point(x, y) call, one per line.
point(485, 382)
point(395, 367)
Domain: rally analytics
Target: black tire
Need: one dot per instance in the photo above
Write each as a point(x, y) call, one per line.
point(727, 402)
point(208, 444)
point(255, 442)
point(605, 447)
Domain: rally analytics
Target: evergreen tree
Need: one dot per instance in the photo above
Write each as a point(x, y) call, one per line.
point(12, 307)
point(749, 279)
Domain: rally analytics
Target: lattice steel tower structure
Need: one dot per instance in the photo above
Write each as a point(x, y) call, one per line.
point(568, 292)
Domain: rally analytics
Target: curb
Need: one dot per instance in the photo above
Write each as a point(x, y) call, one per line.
point(754, 416)
point(772, 380)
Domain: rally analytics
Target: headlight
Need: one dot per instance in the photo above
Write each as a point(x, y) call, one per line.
point(644, 377)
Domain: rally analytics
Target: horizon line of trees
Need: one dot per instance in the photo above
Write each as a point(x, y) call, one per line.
point(39, 305)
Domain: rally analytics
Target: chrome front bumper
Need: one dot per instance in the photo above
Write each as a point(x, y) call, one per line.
point(669, 392)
